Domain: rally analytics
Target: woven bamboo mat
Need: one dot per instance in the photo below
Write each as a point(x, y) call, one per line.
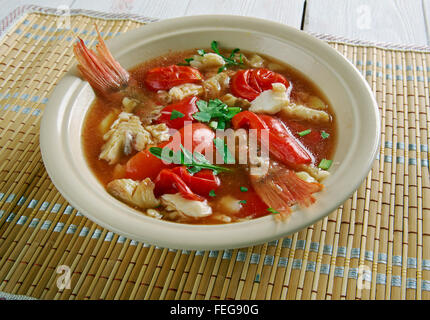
point(375, 246)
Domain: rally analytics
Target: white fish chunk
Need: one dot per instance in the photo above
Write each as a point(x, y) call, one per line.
point(301, 112)
point(271, 101)
point(136, 193)
point(191, 208)
point(208, 60)
point(185, 90)
point(215, 84)
point(127, 134)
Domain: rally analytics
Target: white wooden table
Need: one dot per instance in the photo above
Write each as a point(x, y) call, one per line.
point(396, 21)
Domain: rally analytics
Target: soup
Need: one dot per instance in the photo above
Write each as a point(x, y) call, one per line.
point(206, 136)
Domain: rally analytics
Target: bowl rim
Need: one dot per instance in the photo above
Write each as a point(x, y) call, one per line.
point(64, 183)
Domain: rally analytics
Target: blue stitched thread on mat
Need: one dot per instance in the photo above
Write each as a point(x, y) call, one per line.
point(34, 222)
point(10, 198)
point(283, 261)
point(58, 227)
point(300, 244)
point(71, 229)
point(314, 247)
point(227, 254)
point(268, 260)
point(338, 271)
point(297, 264)
point(381, 278)
point(84, 232)
point(396, 281)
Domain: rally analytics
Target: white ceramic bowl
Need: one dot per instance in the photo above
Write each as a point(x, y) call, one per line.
point(349, 94)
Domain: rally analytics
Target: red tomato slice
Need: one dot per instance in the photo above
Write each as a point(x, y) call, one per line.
point(248, 84)
point(194, 137)
point(187, 107)
point(168, 181)
point(164, 78)
point(144, 165)
point(201, 182)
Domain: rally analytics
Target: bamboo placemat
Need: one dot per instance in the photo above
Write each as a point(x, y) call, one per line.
point(375, 246)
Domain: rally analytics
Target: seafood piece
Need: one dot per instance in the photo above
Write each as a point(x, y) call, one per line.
point(271, 101)
point(111, 81)
point(315, 172)
point(190, 208)
point(127, 134)
point(100, 69)
point(135, 193)
point(233, 101)
point(281, 188)
point(229, 204)
point(306, 176)
point(185, 90)
point(301, 112)
point(215, 85)
point(208, 60)
point(255, 61)
point(129, 104)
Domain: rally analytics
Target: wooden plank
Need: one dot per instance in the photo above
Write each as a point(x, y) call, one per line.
point(426, 9)
point(8, 6)
point(288, 12)
point(161, 9)
point(396, 21)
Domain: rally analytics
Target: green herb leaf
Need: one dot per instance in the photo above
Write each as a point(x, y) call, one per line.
point(304, 132)
point(187, 62)
point(324, 135)
point(325, 164)
point(243, 189)
point(212, 193)
point(215, 112)
point(193, 170)
point(230, 61)
point(236, 50)
point(202, 116)
point(176, 114)
point(242, 201)
point(201, 52)
point(194, 161)
point(271, 210)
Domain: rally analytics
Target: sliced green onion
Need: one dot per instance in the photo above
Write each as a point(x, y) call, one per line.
point(271, 210)
point(304, 132)
point(325, 164)
point(243, 189)
point(242, 201)
point(212, 193)
point(324, 135)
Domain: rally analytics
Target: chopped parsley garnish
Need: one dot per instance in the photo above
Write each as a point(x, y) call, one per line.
point(242, 201)
point(271, 210)
point(201, 52)
point(304, 132)
point(194, 161)
point(243, 189)
point(176, 114)
point(324, 135)
point(325, 164)
point(224, 151)
point(212, 193)
point(229, 61)
point(216, 113)
point(187, 62)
